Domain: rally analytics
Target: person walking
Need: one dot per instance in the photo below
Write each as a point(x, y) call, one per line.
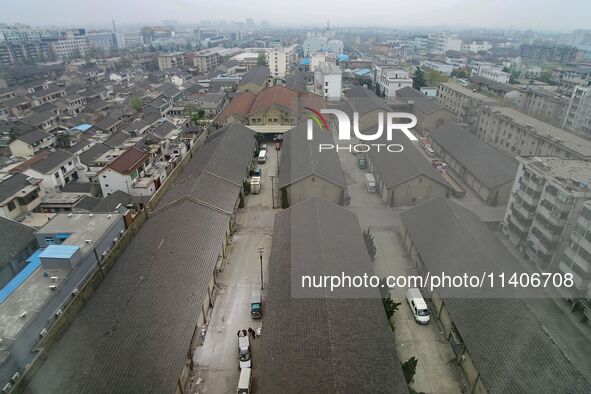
point(251, 332)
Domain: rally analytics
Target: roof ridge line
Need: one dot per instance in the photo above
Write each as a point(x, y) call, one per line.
point(196, 201)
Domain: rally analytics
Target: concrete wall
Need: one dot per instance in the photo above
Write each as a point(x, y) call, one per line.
point(312, 186)
point(15, 265)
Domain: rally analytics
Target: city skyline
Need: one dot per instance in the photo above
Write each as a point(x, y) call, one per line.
point(528, 14)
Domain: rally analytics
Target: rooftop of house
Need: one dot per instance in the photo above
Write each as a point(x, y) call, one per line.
point(129, 161)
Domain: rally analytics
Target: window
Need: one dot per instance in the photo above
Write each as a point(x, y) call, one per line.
point(56, 175)
point(11, 206)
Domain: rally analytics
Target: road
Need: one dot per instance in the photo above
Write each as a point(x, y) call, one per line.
point(436, 370)
point(217, 366)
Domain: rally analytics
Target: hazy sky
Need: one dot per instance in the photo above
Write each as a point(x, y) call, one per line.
point(549, 15)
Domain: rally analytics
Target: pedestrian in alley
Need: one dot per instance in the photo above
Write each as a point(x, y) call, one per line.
point(244, 333)
point(251, 332)
point(238, 333)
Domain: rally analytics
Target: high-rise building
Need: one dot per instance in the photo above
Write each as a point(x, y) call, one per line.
point(578, 114)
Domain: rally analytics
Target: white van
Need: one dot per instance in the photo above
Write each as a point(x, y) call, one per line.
point(417, 305)
point(245, 381)
point(370, 183)
point(262, 156)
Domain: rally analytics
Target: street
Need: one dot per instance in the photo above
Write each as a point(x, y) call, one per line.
point(216, 361)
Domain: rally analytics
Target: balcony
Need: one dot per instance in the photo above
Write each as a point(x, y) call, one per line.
point(520, 222)
point(547, 246)
point(537, 185)
point(550, 216)
point(529, 196)
point(524, 212)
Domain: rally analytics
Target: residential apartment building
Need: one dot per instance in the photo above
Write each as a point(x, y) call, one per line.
point(328, 80)
point(463, 102)
point(578, 113)
point(390, 79)
point(280, 61)
point(74, 46)
point(207, 60)
point(129, 41)
point(476, 46)
point(548, 53)
point(547, 199)
point(542, 103)
point(519, 134)
point(443, 42)
point(576, 260)
point(495, 75)
point(170, 60)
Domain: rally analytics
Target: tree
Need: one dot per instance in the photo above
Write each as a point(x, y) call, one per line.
point(261, 59)
point(389, 305)
point(459, 73)
point(201, 114)
point(369, 243)
point(136, 104)
point(419, 80)
point(434, 77)
point(410, 368)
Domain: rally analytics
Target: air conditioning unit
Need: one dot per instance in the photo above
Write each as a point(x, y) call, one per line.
point(7, 387)
point(115, 240)
point(43, 332)
point(15, 377)
point(23, 315)
point(75, 292)
point(58, 313)
point(122, 232)
point(52, 287)
point(54, 278)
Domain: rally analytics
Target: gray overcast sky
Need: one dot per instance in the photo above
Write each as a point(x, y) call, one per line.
point(549, 15)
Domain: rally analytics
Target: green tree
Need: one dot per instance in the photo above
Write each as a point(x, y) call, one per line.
point(136, 104)
point(434, 77)
point(419, 80)
point(369, 243)
point(389, 305)
point(201, 114)
point(410, 368)
point(261, 59)
point(459, 73)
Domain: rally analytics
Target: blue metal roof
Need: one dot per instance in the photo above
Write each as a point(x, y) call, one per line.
point(33, 263)
point(342, 57)
point(59, 251)
point(305, 61)
point(82, 127)
point(363, 71)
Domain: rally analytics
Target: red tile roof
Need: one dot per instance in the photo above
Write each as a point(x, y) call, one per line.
point(129, 161)
point(278, 96)
point(240, 106)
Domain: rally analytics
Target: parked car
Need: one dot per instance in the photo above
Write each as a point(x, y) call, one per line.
point(244, 352)
point(417, 305)
point(430, 152)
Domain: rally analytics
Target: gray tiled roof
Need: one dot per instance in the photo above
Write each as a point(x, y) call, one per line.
point(109, 203)
point(93, 153)
point(323, 344)
point(52, 161)
point(301, 157)
point(509, 346)
point(397, 168)
point(488, 165)
point(227, 153)
point(163, 130)
point(117, 139)
point(34, 136)
point(423, 103)
point(15, 237)
point(257, 76)
point(12, 185)
point(364, 100)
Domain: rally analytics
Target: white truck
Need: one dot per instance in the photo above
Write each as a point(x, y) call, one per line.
point(370, 182)
point(255, 184)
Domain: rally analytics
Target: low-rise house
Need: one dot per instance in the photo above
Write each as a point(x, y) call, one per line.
point(134, 172)
point(486, 170)
point(171, 142)
point(109, 125)
point(54, 169)
point(17, 243)
point(254, 80)
point(306, 172)
point(29, 144)
point(212, 103)
point(19, 195)
point(46, 120)
point(366, 104)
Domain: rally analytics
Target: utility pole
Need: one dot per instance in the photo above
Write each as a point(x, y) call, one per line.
point(260, 251)
point(273, 189)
